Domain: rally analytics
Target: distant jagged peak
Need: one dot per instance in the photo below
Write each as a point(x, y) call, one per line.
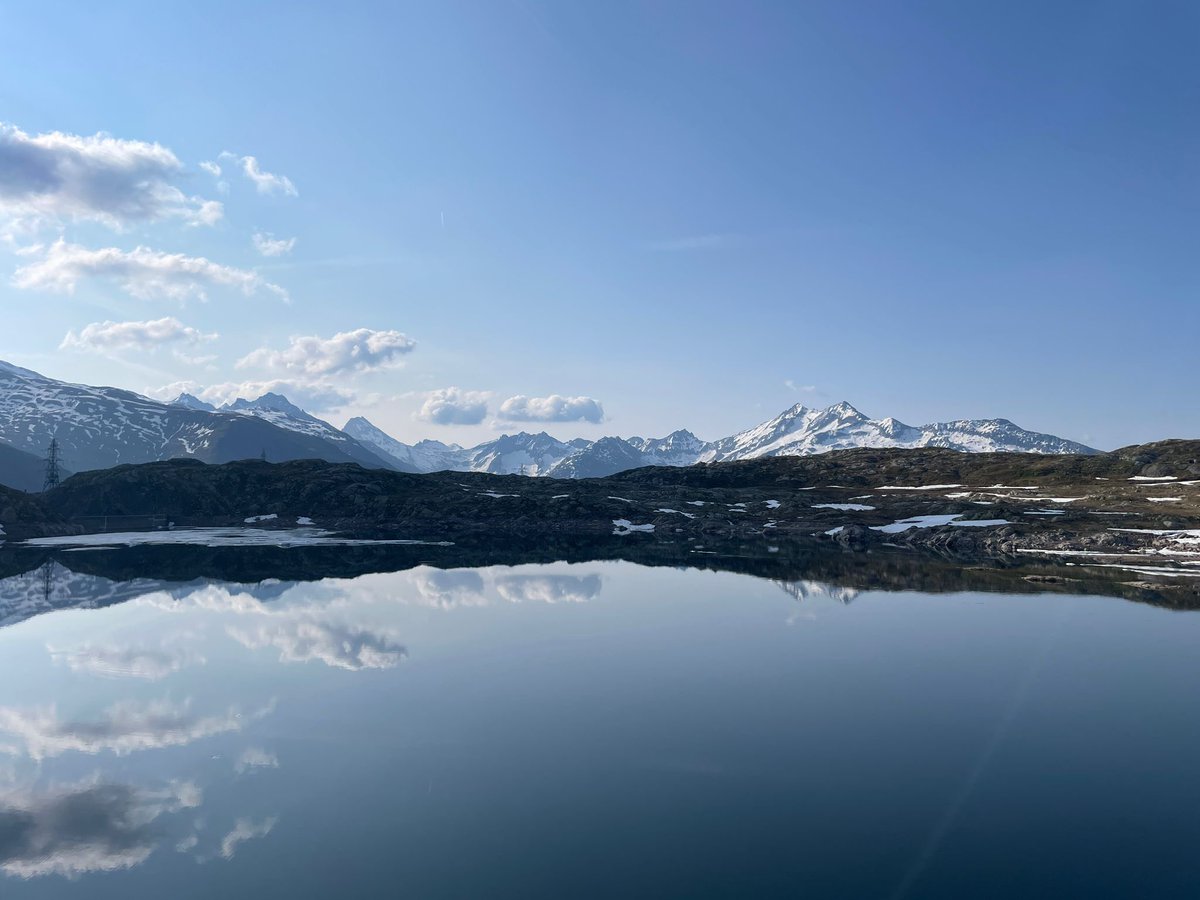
point(190, 401)
point(268, 401)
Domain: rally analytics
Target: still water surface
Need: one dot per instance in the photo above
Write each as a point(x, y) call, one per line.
point(600, 729)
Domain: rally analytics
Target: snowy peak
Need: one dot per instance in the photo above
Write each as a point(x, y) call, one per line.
point(801, 432)
point(98, 427)
point(268, 402)
point(187, 401)
point(797, 431)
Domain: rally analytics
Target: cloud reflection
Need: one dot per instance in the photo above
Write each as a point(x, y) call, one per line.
point(123, 728)
point(89, 827)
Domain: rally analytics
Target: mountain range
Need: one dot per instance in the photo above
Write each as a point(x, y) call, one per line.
point(799, 431)
point(99, 427)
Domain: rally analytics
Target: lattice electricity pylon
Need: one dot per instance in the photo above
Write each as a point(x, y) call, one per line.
point(53, 475)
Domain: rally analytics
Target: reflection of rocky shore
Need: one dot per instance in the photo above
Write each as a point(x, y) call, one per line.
point(32, 582)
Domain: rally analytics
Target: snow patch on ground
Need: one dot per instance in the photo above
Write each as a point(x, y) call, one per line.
point(267, 518)
point(624, 526)
point(923, 487)
point(934, 521)
point(849, 507)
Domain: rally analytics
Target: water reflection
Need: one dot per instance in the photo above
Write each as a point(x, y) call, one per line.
point(303, 730)
point(92, 826)
point(125, 727)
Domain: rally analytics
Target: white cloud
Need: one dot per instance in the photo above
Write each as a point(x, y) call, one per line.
point(143, 273)
point(453, 406)
point(361, 350)
point(131, 335)
point(554, 408)
point(803, 388)
point(211, 168)
point(268, 245)
point(264, 182)
point(122, 729)
point(58, 177)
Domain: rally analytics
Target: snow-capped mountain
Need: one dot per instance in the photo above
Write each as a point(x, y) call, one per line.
point(534, 454)
point(799, 431)
point(98, 427)
point(187, 401)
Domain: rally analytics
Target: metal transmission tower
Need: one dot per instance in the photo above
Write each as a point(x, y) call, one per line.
point(53, 476)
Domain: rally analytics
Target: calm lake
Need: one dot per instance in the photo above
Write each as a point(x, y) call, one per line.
point(597, 729)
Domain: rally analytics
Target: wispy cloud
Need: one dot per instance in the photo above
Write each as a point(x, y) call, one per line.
point(269, 245)
point(102, 336)
point(143, 273)
point(265, 182)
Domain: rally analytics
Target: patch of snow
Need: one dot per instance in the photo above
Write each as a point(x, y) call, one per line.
point(936, 520)
point(266, 518)
point(622, 499)
point(849, 507)
point(624, 526)
point(304, 520)
point(677, 512)
point(695, 502)
point(1165, 499)
point(1154, 478)
point(924, 487)
point(772, 504)
point(496, 496)
point(837, 530)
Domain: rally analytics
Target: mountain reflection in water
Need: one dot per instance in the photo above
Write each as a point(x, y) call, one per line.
point(588, 728)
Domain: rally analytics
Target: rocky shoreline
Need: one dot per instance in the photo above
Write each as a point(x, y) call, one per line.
point(1137, 509)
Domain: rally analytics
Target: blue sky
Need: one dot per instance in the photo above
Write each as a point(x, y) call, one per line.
point(687, 214)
